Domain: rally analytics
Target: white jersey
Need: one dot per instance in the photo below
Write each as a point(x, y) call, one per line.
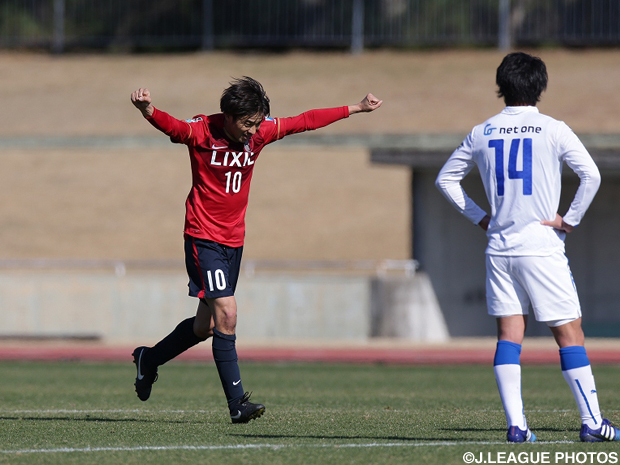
point(519, 154)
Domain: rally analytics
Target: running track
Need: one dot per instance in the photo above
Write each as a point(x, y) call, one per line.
point(450, 354)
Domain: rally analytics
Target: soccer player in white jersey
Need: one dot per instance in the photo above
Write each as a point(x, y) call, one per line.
point(519, 154)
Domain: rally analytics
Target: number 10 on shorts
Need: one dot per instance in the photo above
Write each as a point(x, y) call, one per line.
point(216, 278)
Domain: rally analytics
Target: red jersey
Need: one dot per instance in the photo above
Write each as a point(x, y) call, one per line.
point(222, 170)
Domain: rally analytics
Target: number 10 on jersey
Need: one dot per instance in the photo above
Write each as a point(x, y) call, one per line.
point(233, 182)
point(513, 173)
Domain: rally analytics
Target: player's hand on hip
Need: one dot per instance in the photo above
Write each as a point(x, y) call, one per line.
point(141, 99)
point(370, 103)
point(484, 222)
point(558, 223)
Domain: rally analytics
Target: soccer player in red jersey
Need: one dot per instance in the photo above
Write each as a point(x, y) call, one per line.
point(223, 149)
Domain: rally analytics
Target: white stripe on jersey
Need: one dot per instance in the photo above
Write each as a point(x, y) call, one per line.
point(519, 154)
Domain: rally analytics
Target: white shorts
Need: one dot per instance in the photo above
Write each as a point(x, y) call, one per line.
point(545, 283)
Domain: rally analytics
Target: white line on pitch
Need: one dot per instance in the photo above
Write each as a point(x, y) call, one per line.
point(262, 446)
point(47, 411)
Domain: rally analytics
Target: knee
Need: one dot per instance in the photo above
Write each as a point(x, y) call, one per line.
point(226, 316)
point(227, 323)
point(567, 333)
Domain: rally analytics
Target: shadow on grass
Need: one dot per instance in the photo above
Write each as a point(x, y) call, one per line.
point(503, 430)
point(373, 438)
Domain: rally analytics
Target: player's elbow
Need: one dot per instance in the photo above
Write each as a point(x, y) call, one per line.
point(596, 179)
point(592, 180)
point(441, 183)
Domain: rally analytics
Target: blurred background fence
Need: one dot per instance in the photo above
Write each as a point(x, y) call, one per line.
point(133, 25)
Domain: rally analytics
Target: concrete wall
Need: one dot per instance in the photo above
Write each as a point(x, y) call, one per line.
point(142, 307)
point(451, 250)
point(407, 308)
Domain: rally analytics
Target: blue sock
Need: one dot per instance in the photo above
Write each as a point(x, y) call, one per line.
point(507, 367)
point(573, 357)
point(225, 356)
point(578, 374)
point(507, 353)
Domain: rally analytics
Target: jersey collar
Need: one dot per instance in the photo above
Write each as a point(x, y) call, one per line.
point(518, 110)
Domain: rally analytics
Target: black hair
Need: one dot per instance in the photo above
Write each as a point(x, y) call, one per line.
point(521, 79)
point(244, 97)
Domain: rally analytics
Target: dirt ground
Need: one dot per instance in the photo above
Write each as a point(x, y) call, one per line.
point(306, 202)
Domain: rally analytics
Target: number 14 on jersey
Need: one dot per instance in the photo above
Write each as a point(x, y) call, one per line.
point(513, 173)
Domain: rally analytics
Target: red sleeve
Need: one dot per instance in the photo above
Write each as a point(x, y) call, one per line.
point(307, 121)
point(181, 132)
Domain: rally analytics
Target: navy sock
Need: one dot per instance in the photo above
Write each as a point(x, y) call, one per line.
point(225, 356)
point(175, 343)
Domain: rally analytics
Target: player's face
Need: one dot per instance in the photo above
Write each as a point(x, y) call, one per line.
point(241, 129)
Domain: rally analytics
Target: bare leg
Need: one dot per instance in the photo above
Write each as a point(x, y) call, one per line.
point(511, 328)
point(569, 335)
point(204, 322)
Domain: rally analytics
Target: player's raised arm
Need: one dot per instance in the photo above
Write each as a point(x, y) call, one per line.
point(370, 103)
point(315, 119)
point(141, 99)
point(178, 131)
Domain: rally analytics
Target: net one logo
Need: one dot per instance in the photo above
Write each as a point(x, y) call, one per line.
point(488, 130)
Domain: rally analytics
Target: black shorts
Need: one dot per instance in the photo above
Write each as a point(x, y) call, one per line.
point(213, 268)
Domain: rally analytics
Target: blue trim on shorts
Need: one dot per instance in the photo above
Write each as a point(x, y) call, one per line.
point(507, 353)
point(573, 357)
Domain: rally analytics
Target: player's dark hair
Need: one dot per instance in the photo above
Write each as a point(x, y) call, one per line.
point(244, 97)
point(521, 79)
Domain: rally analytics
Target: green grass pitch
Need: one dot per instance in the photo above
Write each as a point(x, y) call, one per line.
point(82, 413)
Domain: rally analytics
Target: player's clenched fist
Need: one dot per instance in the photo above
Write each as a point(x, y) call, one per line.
point(141, 99)
point(370, 103)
